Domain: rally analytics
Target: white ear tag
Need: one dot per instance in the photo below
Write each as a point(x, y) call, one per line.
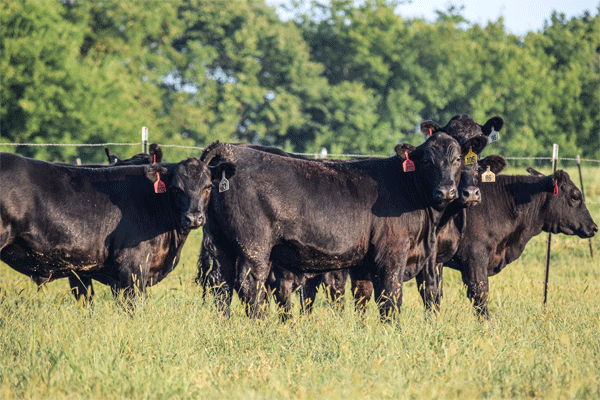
point(493, 136)
point(224, 184)
point(488, 176)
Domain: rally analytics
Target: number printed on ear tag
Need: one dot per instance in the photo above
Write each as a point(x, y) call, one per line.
point(470, 158)
point(224, 184)
point(488, 176)
point(493, 136)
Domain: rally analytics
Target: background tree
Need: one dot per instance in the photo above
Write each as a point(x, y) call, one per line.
point(353, 77)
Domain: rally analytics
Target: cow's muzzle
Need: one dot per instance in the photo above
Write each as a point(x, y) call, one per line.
point(445, 194)
point(470, 196)
point(193, 221)
point(592, 231)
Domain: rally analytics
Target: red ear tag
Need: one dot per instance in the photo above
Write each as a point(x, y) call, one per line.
point(555, 188)
point(408, 165)
point(430, 132)
point(159, 186)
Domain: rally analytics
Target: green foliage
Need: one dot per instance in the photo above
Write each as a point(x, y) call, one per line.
point(353, 77)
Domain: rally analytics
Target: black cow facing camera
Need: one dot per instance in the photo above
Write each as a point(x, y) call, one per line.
point(314, 217)
point(106, 224)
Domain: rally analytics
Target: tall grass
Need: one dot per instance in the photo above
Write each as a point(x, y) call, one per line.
point(174, 346)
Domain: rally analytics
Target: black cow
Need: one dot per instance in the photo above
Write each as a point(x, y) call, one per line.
point(460, 127)
point(106, 224)
point(491, 235)
point(515, 208)
point(450, 229)
point(315, 217)
point(82, 285)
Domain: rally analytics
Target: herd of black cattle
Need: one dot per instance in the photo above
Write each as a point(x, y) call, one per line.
point(274, 221)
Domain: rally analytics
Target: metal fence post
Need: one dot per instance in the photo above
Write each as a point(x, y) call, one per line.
point(144, 139)
point(554, 162)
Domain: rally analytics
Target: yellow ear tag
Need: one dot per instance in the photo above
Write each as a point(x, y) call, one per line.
point(488, 176)
point(470, 158)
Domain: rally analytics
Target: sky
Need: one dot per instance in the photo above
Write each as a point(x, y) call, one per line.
point(520, 16)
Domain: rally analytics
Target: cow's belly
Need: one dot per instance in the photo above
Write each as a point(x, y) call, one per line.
point(309, 258)
point(49, 265)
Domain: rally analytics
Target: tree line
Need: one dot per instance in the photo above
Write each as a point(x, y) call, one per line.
point(347, 76)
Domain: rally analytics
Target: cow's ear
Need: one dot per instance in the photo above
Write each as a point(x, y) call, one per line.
point(155, 151)
point(534, 172)
point(402, 148)
point(497, 163)
point(429, 127)
point(111, 157)
point(216, 171)
point(476, 144)
point(561, 176)
point(152, 170)
point(495, 123)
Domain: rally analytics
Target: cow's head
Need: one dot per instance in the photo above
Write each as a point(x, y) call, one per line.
point(565, 210)
point(154, 157)
point(462, 127)
point(437, 164)
point(468, 189)
point(188, 184)
point(465, 130)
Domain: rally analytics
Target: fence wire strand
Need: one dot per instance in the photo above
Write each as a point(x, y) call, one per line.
point(315, 155)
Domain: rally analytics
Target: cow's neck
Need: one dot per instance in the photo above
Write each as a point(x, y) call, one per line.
point(530, 217)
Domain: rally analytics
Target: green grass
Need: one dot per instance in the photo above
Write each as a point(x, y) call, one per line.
point(176, 347)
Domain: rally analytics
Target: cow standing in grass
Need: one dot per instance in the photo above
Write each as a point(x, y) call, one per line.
point(514, 210)
point(462, 128)
point(317, 217)
point(106, 224)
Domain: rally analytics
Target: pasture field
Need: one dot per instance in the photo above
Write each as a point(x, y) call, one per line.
point(176, 347)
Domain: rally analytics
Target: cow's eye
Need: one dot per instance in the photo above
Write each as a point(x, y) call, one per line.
point(575, 197)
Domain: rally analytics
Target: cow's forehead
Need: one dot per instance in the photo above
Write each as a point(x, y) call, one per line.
point(462, 126)
point(441, 145)
point(192, 169)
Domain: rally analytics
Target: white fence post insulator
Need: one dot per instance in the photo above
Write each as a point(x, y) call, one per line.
point(144, 139)
point(554, 162)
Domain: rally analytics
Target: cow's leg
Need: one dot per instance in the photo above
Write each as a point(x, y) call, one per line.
point(221, 279)
point(388, 289)
point(430, 287)
point(310, 292)
point(253, 270)
point(475, 277)
point(204, 267)
point(282, 291)
point(82, 286)
point(363, 291)
point(361, 281)
point(335, 286)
